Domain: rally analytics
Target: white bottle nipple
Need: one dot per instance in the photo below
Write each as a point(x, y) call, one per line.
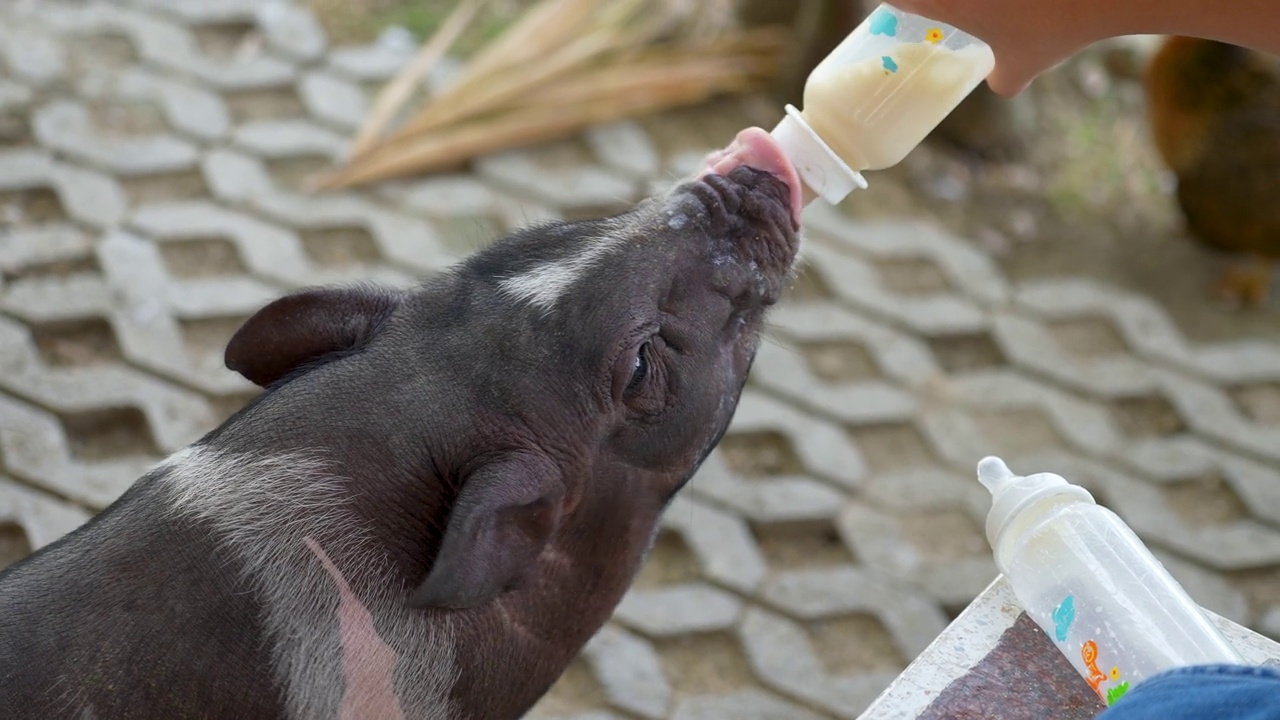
point(1011, 493)
point(994, 474)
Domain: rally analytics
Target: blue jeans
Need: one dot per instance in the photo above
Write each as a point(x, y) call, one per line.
point(1225, 692)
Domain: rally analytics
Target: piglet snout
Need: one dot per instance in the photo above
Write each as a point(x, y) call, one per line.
point(758, 204)
point(748, 216)
point(755, 148)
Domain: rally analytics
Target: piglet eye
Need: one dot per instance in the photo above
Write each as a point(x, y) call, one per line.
point(640, 370)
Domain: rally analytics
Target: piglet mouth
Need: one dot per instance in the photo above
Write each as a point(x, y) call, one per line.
point(755, 148)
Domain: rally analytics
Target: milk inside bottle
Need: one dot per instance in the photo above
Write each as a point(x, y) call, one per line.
point(876, 96)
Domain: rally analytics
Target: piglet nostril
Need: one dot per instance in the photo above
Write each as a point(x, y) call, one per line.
point(746, 215)
point(755, 210)
point(764, 196)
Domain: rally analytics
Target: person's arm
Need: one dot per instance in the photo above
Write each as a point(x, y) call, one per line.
point(1031, 36)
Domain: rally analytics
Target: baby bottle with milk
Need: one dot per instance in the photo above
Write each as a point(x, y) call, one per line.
point(876, 96)
point(1087, 580)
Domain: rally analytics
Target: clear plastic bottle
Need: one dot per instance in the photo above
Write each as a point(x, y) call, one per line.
point(876, 97)
point(1087, 580)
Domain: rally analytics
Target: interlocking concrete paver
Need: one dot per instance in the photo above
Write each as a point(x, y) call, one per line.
point(402, 239)
point(1178, 458)
point(905, 355)
point(25, 247)
point(171, 46)
point(377, 61)
point(450, 195)
point(151, 303)
point(42, 518)
point(629, 671)
point(87, 196)
point(969, 270)
point(783, 659)
point(625, 147)
point(878, 539)
point(679, 610)
point(14, 97)
point(593, 715)
point(777, 499)
point(953, 435)
point(570, 188)
point(143, 307)
point(1032, 346)
point(32, 56)
point(333, 100)
point(1081, 423)
point(899, 356)
point(911, 620)
point(824, 449)
point(234, 177)
point(202, 13)
point(1206, 409)
point(66, 127)
point(745, 705)
point(35, 448)
point(143, 326)
point(855, 281)
point(454, 196)
point(174, 417)
point(269, 251)
point(1149, 331)
point(289, 138)
point(517, 212)
point(189, 109)
point(925, 489)
point(784, 371)
point(1271, 622)
point(291, 31)
point(722, 543)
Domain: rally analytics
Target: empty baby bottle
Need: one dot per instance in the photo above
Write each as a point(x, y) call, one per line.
point(1087, 580)
point(877, 96)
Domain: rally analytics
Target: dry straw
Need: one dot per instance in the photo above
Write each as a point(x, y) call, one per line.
point(563, 66)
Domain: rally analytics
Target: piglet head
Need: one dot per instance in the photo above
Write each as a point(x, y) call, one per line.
point(514, 427)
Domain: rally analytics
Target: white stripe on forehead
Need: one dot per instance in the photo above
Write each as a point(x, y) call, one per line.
point(543, 285)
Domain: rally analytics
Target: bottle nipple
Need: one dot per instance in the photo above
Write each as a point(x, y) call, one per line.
point(994, 474)
point(1012, 493)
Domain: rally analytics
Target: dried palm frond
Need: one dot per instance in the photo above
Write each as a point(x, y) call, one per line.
point(563, 66)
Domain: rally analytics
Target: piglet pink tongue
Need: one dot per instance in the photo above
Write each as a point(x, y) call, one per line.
point(756, 148)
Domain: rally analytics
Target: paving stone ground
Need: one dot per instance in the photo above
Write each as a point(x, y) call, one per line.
point(149, 155)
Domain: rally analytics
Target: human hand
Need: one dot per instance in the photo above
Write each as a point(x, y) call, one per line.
point(1031, 36)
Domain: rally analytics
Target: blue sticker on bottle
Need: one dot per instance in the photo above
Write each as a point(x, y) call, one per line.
point(884, 22)
point(1063, 616)
point(889, 64)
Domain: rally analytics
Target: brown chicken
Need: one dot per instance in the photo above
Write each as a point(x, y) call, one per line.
point(1215, 115)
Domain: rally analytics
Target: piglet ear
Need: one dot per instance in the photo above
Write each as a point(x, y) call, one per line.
point(504, 516)
point(305, 326)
